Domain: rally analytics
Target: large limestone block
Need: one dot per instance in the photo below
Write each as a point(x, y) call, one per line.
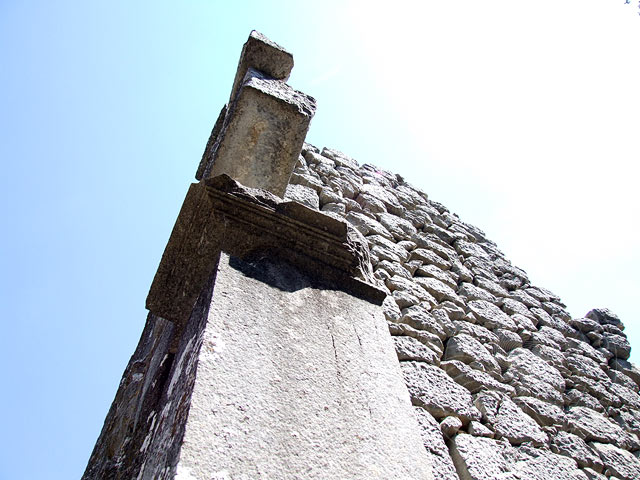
point(435, 391)
point(508, 420)
point(296, 381)
point(441, 463)
point(594, 426)
point(264, 55)
point(467, 349)
point(533, 377)
point(491, 316)
point(572, 446)
point(618, 462)
point(538, 464)
point(263, 133)
point(479, 458)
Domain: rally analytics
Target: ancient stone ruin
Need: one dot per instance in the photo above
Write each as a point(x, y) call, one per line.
point(316, 318)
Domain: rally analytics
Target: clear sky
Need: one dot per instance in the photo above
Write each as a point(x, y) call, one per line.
point(521, 117)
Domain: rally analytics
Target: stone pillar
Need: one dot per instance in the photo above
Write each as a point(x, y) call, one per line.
point(266, 353)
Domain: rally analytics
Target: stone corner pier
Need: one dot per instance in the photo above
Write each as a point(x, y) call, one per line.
point(266, 353)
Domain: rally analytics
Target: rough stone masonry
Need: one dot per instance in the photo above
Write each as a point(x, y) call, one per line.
point(288, 307)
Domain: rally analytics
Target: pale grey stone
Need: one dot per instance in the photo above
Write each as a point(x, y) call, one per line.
point(511, 307)
point(577, 398)
point(468, 350)
point(533, 377)
point(401, 229)
point(617, 461)
point(408, 348)
point(429, 257)
point(480, 333)
point(336, 208)
point(449, 426)
point(436, 392)
point(367, 225)
point(545, 414)
point(627, 368)
point(491, 287)
point(586, 325)
point(477, 429)
point(479, 458)
point(617, 344)
point(339, 158)
point(604, 316)
point(385, 249)
point(391, 310)
point(586, 367)
point(491, 316)
point(507, 339)
point(439, 290)
point(470, 292)
point(388, 199)
point(418, 317)
point(424, 337)
point(539, 464)
point(508, 420)
point(394, 268)
point(572, 446)
point(468, 249)
point(304, 195)
point(264, 160)
point(310, 181)
point(474, 380)
point(305, 405)
point(434, 272)
point(594, 426)
point(523, 297)
point(441, 464)
point(525, 323)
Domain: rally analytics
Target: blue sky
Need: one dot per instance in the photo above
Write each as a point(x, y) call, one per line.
point(521, 118)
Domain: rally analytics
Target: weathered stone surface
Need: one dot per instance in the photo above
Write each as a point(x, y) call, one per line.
point(618, 462)
point(263, 134)
point(474, 380)
point(437, 273)
point(507, 339)
point(450, 426)
point(477, 429)
point(429, 257)
point(470, 292)
point(617, 344)
point(469, 350)
point(441, 463)
point(305, 405)
point(508, 420)
point(572, 446)
point(439, 290)
point(304, 195)
point(436, 392)
point(586, 367)
point(135, 408)
point(491, 316)
point(533, 377)
point(545, 414)
point(594, 426)
point(408, 348)
point(538, 464)
point(478, 458)
point(264, 55)
point(418, 317)
point(604, 316)
point(385, 249)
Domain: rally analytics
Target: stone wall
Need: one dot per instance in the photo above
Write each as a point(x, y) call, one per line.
point(505, 384)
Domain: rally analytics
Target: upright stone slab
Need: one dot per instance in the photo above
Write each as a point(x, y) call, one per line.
point(258, 136)
point(266, 353)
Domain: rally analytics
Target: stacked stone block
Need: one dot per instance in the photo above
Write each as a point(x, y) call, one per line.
point(505, 384)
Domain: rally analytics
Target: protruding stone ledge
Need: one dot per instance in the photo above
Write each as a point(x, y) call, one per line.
point(222, 215)
point(262, 135)
point(264, 55)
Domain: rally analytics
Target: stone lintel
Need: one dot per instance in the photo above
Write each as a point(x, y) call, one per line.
point(222, 215)
point(264, 55)
point(262, 135)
